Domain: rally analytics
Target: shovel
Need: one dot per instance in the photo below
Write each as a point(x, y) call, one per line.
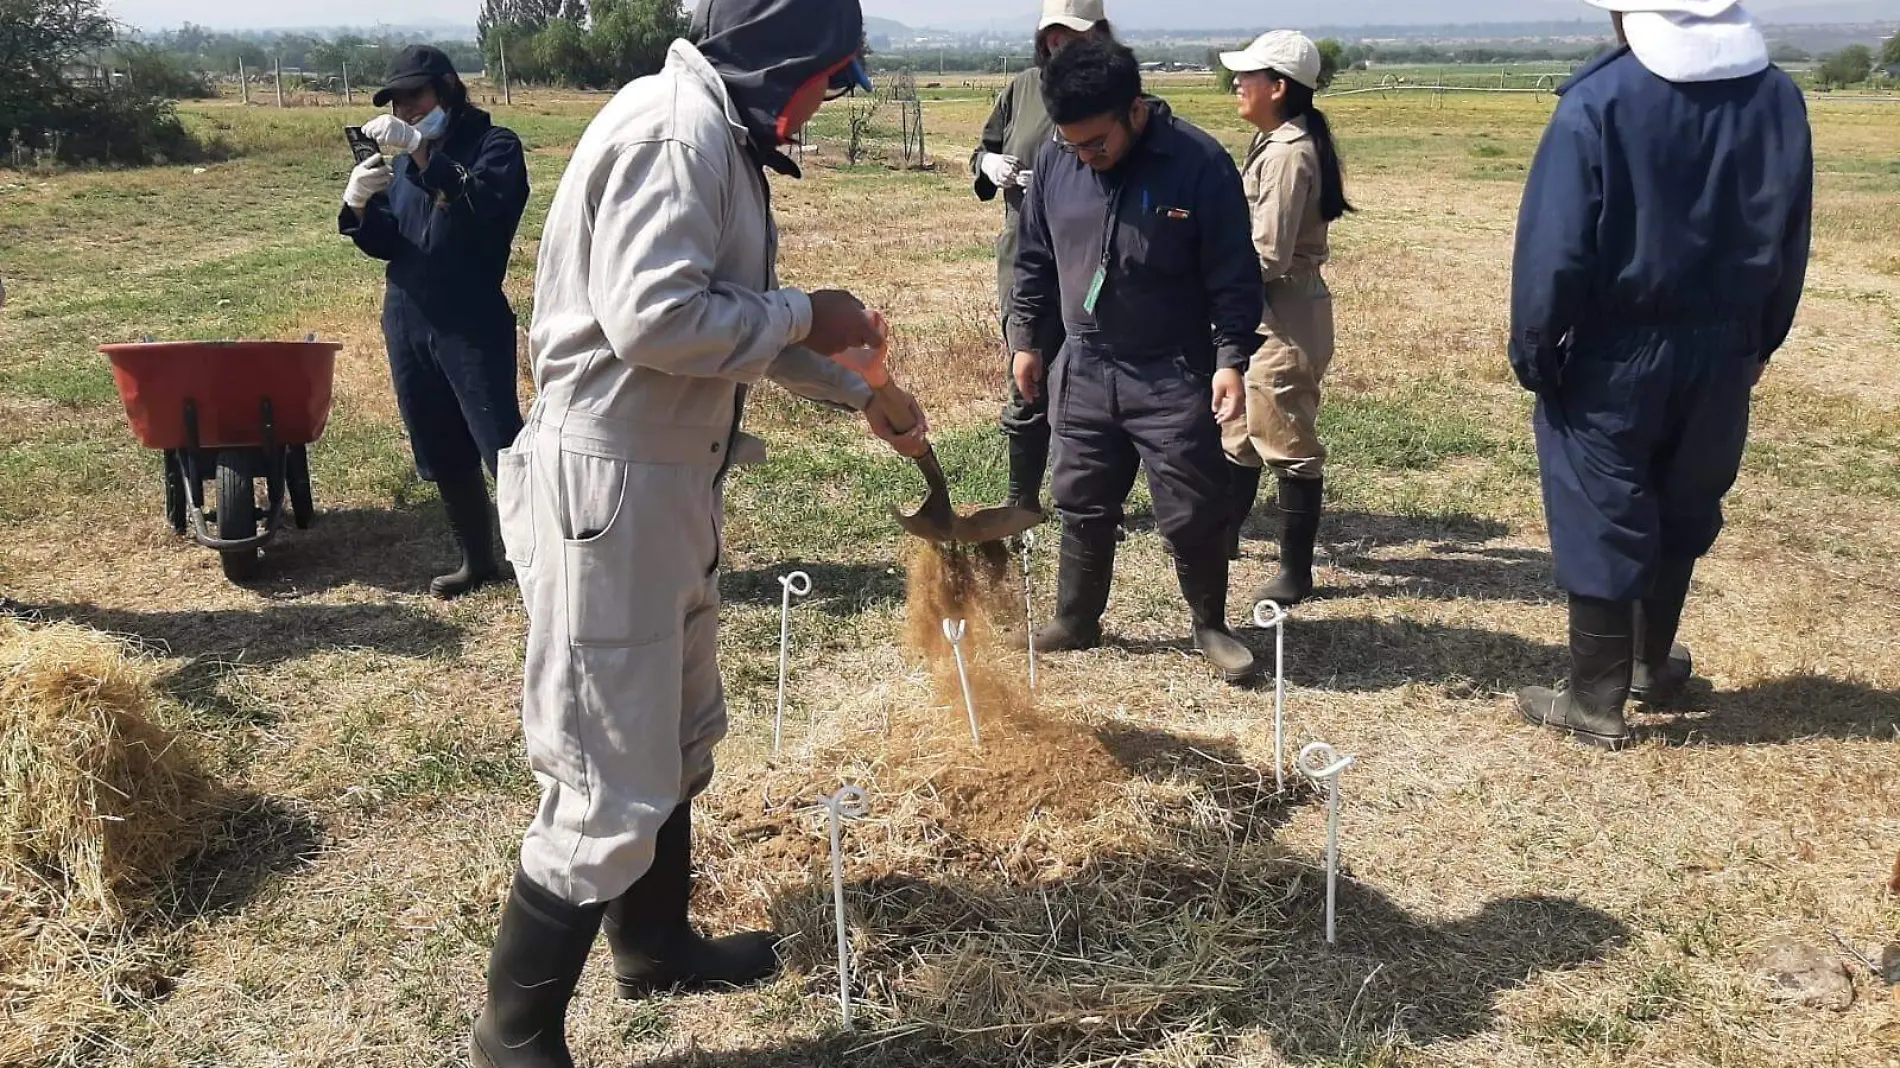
point(937, 520)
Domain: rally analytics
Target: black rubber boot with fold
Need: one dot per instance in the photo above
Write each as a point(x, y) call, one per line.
point(1203, 577)
point(1602, 652)
point(1663, 667)
point(1087, 570)
point(1028, 462)
point(1243, 487)
point(654, 943)
point(1301, 502)
point(471, 519)
point(533, 969)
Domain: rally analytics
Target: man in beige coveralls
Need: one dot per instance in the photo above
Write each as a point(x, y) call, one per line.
point(657, 306)
point(1296, 191)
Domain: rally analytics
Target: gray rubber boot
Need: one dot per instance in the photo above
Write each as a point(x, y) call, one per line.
point(1203, 576)
point(1082, 583)
point(1301, 502)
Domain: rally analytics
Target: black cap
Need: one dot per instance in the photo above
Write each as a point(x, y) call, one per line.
point(417, 66)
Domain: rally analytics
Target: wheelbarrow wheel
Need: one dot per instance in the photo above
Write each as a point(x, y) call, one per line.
point(303, 505)
point(237, 514)
point(175, 493)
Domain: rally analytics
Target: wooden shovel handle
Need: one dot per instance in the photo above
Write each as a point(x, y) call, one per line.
point(894, 405)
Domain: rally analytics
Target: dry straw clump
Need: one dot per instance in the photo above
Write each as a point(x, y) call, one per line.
point(1067, 893)
point(97, 805)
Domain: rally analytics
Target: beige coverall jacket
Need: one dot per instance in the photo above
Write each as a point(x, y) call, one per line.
point(656, 306)
point(1283, 383)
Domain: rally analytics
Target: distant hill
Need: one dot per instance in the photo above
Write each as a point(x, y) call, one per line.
point(1163, 16)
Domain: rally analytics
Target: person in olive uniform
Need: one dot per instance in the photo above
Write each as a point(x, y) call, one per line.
point(444, 217)
point(1297, 192)
point(1018, 129)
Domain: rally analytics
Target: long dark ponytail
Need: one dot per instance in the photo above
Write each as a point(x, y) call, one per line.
point(1332, 179)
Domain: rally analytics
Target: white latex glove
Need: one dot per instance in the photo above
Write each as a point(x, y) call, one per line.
point(1001, 170)
point(368, 179)
point(393, 134)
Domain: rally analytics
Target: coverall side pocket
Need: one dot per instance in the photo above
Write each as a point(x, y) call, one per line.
point(600, 557)
point(514, 501)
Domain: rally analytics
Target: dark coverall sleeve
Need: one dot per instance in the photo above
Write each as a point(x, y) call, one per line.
point(995, 132)
point(1236, 299)
point(376, 233)
point(1786, 299)
point(1038, 286)
point(494, 189)
point(1556, 254)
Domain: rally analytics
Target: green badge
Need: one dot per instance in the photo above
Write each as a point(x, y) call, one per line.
point(1095, 290)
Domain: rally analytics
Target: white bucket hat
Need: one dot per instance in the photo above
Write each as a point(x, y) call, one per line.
point(1078, 15)
point(1692, 40)
point(1292, 54)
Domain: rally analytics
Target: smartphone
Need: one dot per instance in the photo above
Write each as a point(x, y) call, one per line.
point(363, 147)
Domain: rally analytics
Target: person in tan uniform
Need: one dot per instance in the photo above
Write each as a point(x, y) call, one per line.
point(1296, 189)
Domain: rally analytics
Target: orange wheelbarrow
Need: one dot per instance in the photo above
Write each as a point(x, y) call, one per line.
point(237, 413)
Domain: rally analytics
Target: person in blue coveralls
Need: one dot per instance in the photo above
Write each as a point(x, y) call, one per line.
point(1661, 252)
point(1135, 233)
point(444, 216)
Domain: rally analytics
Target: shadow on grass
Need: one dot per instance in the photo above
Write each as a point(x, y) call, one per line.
point(397, 550)
point(1355, 655)
point(837, 589)
point(220, 643)
point(1454, 561)
point(1791, 709)
point(256, 840)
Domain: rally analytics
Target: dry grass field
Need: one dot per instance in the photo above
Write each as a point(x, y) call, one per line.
point(1117, 882)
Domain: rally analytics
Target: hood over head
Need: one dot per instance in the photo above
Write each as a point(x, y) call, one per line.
point(766, 50)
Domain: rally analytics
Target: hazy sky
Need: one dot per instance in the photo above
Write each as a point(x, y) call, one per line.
point(251, 14)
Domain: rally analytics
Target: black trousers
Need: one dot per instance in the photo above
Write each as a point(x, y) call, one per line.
point(1110, 418)
point(458, 391)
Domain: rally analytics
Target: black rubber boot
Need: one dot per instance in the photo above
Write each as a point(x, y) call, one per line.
point(1243, 488)
point(532, 972)
point(1028, 461)
point(1602, 650)
point(1203, 576)
point(1087, 571)
point(471, 519)
point(654, 944)
point(1301, 501)
point(1663, 668)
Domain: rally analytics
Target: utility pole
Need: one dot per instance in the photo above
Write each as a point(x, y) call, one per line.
point(347, 98)
point(277, 64)
point(244, 82)
point(507, 91)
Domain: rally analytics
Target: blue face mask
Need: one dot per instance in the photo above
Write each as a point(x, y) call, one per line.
point(433, 125)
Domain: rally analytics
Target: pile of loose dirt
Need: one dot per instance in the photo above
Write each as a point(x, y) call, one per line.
point(97, 805)
point(1067, 886)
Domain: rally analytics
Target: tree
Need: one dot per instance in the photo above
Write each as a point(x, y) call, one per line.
point(1850, 66)
point(1785, 53)
point(49, 104)
point(630, 37)
point(1890, 55)
point(1331, 57)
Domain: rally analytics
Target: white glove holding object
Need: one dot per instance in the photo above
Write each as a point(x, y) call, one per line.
point(1001, 170)
point(1023, 177)
point(393, 134)
point(368, 179)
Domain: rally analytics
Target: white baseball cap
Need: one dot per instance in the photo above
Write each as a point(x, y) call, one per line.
point(1289, 53)
point(1078, 15)
point(1692, 40)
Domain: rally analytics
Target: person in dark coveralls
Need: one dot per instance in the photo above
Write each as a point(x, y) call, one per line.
point(1661, 252)
point(1135, 231)
point(444, 216)
point(1018, 129)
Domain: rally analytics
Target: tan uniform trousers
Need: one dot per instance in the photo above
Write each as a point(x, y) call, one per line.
point(1283, 382)
point(613, 530)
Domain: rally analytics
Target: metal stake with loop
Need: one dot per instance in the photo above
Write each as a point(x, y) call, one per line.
point(1322, 763)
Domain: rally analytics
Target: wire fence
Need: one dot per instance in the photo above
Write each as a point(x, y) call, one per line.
point(883, 129)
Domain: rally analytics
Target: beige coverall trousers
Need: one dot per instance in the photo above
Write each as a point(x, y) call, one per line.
point(624, 703)
point(1283, 383)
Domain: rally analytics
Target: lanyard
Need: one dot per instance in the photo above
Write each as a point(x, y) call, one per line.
point(1109, 227)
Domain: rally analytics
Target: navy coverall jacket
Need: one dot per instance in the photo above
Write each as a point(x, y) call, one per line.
point(1661, 251)
point(447, 231)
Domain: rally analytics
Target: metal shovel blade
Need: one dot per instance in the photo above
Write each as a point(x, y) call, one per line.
point(938, 521)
